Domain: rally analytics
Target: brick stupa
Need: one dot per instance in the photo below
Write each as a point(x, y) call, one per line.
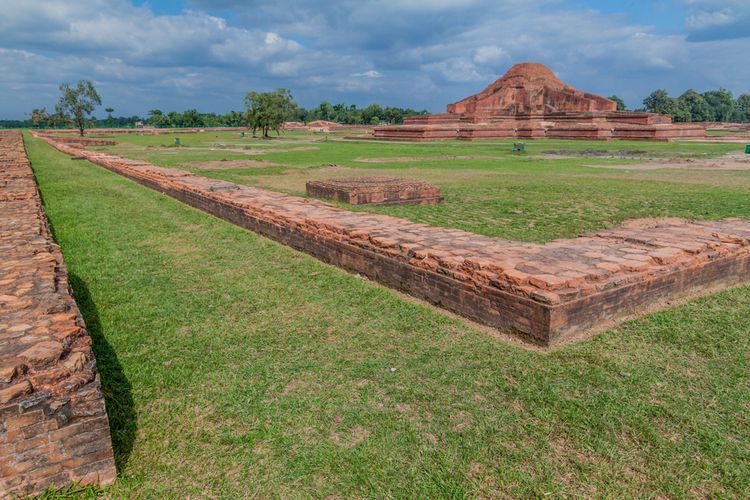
point(529, 101)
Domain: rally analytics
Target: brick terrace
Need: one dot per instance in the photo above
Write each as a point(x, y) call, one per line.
point(375, 190)
point(546, 293)
point(53, 424)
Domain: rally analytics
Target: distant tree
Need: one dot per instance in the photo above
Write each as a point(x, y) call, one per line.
point(191, 118)
point(267, 111)
point(77, 103)
point(156, 118)
point(692, 107)
point(722, 103)
point(109, 116)
point(742, 109)
point(660, 102)
point(620, 102)
point(40, 118)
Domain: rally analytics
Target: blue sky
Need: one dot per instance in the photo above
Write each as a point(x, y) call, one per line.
point(177, 54)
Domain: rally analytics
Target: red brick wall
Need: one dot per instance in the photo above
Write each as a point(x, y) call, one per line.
point(53, 424)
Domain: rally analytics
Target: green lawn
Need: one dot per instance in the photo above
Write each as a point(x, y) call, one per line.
point(518, 196)
point(234, 366)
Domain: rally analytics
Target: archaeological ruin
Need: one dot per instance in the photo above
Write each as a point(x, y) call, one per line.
point(546, 293)
point(529, 101)
point(375, 190)
point(53, 424)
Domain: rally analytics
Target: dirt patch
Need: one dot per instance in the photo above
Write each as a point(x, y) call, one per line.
point(404, 159)
point(732, 161)
point(596, 153)
point(231, 164)
point(252, 151)
point(651, 222)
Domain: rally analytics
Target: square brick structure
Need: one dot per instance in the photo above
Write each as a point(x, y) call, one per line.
point(545, 293)
point(375, 190)
point(53, 424)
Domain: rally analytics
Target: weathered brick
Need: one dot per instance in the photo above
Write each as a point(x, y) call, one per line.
point(45, 350)
point(544, 292)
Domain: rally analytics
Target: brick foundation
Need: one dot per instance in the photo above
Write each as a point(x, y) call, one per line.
point(53, 424)
point(376, 190)
point(545, 293)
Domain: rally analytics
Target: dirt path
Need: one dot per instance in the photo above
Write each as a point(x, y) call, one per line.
point(231, 164)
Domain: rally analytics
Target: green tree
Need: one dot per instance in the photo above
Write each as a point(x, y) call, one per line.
point(660, 102)
point(267, 111)
point(77, 103)
point(693, 108)
point(156, 118)
point(109, 116)
point(722, 103)
point(620, 102)
point(742, 108)
point(40, 118)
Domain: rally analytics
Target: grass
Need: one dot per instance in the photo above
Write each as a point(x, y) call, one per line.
point(517, 196)
point(233, 366)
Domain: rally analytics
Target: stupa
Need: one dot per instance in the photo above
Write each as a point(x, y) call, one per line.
point(530, 101)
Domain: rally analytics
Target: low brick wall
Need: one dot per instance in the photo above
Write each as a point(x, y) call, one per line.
point(375, 190)
point(546, 293)
point(53, 424)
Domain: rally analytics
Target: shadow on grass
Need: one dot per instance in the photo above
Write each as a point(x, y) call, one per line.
point(115, 386)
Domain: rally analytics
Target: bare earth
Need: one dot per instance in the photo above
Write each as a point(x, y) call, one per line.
point(732, 161)
point(403, 159)
point(231, 164)
point(266, 151)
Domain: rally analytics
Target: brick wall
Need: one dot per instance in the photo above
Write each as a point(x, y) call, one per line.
point(545, 293)
point(53, 424)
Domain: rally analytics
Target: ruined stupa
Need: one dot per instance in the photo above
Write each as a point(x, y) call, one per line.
point(531, 101)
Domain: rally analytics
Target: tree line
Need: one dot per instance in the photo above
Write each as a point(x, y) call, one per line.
point(692, 106)
point(264, 111)
point(267, 111)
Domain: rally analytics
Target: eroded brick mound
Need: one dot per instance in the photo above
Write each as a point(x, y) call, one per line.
point(378, 190)
point(546, 293)
point(84, 141)
point(530, 102)
point(53, 424)
point(531, 88)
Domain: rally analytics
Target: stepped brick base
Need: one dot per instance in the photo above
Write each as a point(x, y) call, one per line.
point(375, 190)
point(546, 293)
point(53, 424)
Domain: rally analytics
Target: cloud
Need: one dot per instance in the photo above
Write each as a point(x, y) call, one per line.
point(369, 74)
point(426, 53)
point(710, 20)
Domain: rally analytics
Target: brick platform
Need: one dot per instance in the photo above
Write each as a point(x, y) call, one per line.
point(546, 293)
point(53, 424)
point(375, 190)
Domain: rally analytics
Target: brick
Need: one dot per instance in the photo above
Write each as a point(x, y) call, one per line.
point(46, 377)
point(547, 293)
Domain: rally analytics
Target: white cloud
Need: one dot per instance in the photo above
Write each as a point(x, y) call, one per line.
point(369, 74)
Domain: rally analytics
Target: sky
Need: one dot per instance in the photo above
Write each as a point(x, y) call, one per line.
point(423, 54)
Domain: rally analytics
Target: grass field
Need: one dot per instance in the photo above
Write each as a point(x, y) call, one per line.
point(518, 196)
point(234, 366)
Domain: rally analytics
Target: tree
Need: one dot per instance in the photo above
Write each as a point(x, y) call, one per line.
point(109, 116)
point(76, 103)
point(269, 110)
point(722, 103)
point(742, 109)
point(660, 102)
point(620, 102)
point(40, 118)
point(692, 107)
